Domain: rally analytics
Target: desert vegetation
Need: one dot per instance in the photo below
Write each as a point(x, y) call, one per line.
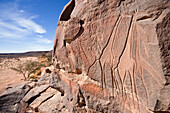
point(32, 69)
point(21, 68)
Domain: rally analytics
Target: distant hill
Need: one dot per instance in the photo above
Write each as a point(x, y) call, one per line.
point(26, 54)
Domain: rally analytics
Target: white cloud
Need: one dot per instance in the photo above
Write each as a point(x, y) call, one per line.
point(21, 11)
point(39, 36)
point(36, 47)
point(15, 23)
point(43, 40)
point(29, 25)
point(19, 32)
point(40, 48)
point(11, 51)
point(12, 31)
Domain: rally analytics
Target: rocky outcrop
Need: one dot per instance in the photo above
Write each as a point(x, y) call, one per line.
point(61, 93)
point(109, 56)
point(120, 49)
point(10, 99)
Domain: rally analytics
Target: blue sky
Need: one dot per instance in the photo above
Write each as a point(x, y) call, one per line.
point(28, 25)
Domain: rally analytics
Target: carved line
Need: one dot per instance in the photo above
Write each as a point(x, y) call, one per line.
point(125, 42)
point(104, 47)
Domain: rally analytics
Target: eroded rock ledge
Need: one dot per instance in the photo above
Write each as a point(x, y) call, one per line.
point(57, 92)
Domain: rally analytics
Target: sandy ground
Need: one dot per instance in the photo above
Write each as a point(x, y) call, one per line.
point(9, 76)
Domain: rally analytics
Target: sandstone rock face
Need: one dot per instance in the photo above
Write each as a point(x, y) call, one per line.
point(114, 53)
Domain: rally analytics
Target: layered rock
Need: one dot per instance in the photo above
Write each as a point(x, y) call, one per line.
point(121, 47)
point(10, 99)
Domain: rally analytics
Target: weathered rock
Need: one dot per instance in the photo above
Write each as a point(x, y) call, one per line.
point(33, 93)
point(109, 56)
point(163, 32)
point(44, 79)
point(42, 98)
point(31, 96)
point(122, 45)
point(163, 101)
point(10, 99)
point(54, 105)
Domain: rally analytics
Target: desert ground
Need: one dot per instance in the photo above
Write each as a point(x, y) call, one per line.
point(9, 76)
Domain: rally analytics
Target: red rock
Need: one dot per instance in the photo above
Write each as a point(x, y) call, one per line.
point(122, 45)
point(94, 90)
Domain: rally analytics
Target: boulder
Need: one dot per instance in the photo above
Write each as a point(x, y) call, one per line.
point(10, 99)
point(42, 98)
point(34, 93)
point(54, 105)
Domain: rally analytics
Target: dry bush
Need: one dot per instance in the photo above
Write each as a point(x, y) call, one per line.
point(46, 58)
point(29, 66)
point(34, 66)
